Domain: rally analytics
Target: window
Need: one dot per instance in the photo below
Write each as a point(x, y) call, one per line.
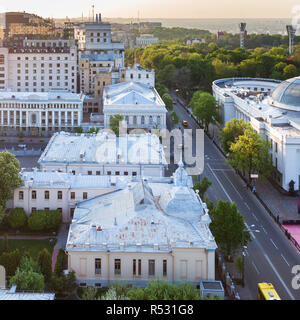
point(73, 172)
point(125, 173)
point(21, 195)
point(151, 267)
point(90, 173)
point(143, 120)
point(109, 173)
point(164, 268)
point(59, 210)
point(134, 174)
point(139, 267)
point(134, 267)
point(117, 173)
point(276, 147)
point(97, 173)
point(47, 195)
point(97, 266)
point(72, 195)
point(117, 266)
point(85, 195)
point(59, 195)
point(33, 209)
point(33, 195)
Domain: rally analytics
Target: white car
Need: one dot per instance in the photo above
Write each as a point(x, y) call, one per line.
point(22, 145)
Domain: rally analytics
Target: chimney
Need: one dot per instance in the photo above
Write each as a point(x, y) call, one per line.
point(100, 18)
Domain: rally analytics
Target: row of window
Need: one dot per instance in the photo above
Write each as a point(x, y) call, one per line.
point(109, 173)
point(47, 195)
point(139, 76)
point(43, 58)
point(136, 267)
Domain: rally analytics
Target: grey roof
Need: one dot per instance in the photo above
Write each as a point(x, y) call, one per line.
point(104, 148)
point(151, 215)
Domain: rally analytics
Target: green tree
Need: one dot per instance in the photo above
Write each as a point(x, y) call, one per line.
point(250, 153)
point(202, 186)
point(79, 130)
point(61, 284)
point(174, 117)
point(232, 130)
point(228, 228)
point(9, 177)
point(28, 276)
point(5, 243)
point(115, 123)
point(205, 108)
point(10, 261)
point(239, 264)
point(290, 71)
point(168, 101)
point(59, 265)
point(44, 260)
point(89, 293)
point(17, 218)
point(53, 219)
point(37, 221)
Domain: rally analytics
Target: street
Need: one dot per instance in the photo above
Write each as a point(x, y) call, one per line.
point(270, 257)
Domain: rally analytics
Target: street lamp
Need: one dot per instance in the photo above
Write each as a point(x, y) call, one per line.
point(244, 253)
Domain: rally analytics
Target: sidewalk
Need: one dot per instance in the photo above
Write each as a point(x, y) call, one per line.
point(61, 238)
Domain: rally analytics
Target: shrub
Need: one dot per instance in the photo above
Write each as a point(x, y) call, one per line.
point(59, 265)
point(17, 218)
point(53, 219)
point(10, 261)
point(62, 284)
point(37, 220)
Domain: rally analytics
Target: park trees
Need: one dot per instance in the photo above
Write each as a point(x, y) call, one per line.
point(53, 219)
point(168, 101)
point(250, 154)
point(9, 177)
point(37, 220)
point(17, 218)
point(202, 186)
point(228, 228)
point(10, 261)
point(45, 262)
point(232, 130)
point(205, 108)
point(114, 122)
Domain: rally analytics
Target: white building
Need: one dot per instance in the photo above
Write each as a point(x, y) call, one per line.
point(104, 154)
point(273, 109)
point(62, 191)
point(145, 40)
point(152, 229)
point(137, 73)
point(39, 112)
point(141, 105)
point(39, 66)
point(95, 38)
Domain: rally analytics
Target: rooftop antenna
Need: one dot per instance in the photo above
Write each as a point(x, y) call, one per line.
point(243, 31)
point(291, 30)
point(93, 12)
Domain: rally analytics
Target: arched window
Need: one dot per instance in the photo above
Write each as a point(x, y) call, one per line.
point(143, 120)
point(150, 120)
point(134, 120)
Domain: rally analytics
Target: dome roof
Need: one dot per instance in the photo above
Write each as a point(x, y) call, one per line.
point(287, 94)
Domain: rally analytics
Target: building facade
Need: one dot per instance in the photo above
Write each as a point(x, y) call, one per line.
point(273, 110)
point(145, 40)
point(104, 154)
point(62, 191)
point(150, 230)
point(139, 104)
point(40, 112)
point(38, 66)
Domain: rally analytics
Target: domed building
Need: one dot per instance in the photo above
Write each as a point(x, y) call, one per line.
point(272, 107)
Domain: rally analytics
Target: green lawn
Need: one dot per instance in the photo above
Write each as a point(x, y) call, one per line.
point(32, 246)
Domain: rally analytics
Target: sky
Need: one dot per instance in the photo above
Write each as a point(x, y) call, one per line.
point(186, 9)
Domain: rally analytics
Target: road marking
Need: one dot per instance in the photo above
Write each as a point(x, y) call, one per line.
point(278, 275)
point(264, 230)
point(254, 216)
point(274, 244)
point(255, 267)
point(285, 260)
point(251, 233)
point(247, 206)
point(233, 186)
point(219, 183)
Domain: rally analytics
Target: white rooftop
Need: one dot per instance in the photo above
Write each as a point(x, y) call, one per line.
point(40, 179)
point(130, 96)
point(104, 148)
point(42, 96)
point(8, 295)
point(146, 216)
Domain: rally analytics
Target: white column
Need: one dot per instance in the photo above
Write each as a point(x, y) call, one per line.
point(53, 119)
point(72, 118)
point(59, 118)
point(66, 119)
point(15, 118)
point(27, 119)
point(2, 120)
point(8, 117)
point(46, 120)
point(20, 117)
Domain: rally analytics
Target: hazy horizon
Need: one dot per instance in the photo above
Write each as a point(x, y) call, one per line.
point(168, 9)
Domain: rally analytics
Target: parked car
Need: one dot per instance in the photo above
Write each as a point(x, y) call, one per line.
point(23, 146)
point(185, 123)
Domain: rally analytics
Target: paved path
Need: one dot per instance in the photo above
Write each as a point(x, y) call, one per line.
point(60, 243)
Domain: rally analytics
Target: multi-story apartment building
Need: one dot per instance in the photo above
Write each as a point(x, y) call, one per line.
point(40, 112)
point(95, 38)
point(155, 228)
point(145, 40)
point(38, 66)
point(137, 73)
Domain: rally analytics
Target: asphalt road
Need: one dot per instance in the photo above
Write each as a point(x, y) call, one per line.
point(270, 257)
